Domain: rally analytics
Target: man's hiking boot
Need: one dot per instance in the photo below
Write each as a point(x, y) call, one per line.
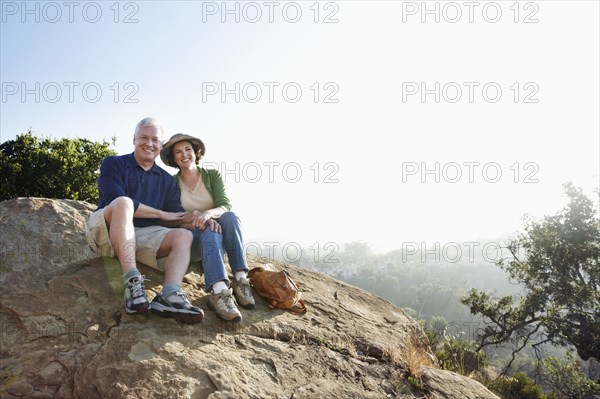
point(136, 300)
point(243, 293)
point(224, 305)
point(176, 305)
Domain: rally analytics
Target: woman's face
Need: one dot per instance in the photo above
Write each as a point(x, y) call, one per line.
point(184, 155)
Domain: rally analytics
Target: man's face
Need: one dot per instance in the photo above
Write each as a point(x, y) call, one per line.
point(148, 143)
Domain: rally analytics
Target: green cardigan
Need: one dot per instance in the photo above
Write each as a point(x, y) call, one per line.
point(214, 185)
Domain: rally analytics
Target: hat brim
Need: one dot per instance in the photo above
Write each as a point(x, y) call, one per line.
point(176, 138)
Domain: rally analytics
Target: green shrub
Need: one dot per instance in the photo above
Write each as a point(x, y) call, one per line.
point(519, 386)
point(565, 378)
point(61, 168)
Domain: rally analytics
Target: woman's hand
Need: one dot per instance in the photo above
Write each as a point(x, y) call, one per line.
point(199, 219)
point(203, 219)
point(214, 225)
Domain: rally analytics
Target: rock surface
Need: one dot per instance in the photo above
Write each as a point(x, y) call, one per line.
point(443, 384)
point(65, 334)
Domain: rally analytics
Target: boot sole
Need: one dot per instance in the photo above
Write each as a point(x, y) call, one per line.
point(138, 310)
point(185, 318)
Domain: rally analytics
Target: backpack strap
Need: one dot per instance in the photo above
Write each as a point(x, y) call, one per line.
point(299, 308)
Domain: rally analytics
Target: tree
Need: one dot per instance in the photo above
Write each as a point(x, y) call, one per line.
point(357, 250)
point(556, 260)
point(566, 379)
point(64, 168)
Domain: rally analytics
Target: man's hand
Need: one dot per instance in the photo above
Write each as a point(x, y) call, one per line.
point(172, 216)
point(167, 219)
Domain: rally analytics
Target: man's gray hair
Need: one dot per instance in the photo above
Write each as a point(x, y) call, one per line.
point(149, 122)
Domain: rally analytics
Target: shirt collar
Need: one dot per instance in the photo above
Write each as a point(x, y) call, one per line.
point(130, 159)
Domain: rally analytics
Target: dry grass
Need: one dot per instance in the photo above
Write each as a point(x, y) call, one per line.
point(409, 357)
point(346, 343)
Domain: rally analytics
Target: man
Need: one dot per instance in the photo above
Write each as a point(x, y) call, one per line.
point(138, 209)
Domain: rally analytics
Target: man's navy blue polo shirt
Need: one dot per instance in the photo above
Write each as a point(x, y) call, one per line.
point(122, 176)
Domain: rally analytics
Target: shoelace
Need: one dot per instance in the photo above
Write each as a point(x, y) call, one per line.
point(228, 300)
point(137, 288)
point(245, 287)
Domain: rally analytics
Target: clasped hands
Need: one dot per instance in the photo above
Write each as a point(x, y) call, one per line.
point(201, 220)
point(197, 219)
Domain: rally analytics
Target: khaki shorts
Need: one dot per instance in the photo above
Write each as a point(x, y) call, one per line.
point(147, 240)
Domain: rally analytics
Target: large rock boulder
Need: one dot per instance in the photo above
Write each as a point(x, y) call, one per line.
point(65, 333)
point(443, 384)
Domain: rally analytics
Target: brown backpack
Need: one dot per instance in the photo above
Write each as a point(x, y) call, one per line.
point(278, 288)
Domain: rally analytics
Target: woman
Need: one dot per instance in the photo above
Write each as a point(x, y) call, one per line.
point(214, 226)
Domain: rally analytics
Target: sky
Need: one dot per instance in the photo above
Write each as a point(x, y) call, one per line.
point(390, 122)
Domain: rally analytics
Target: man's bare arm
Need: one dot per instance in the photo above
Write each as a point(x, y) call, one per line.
point(168, 219)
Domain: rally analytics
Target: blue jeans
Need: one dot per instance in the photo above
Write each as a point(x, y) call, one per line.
point(210, 247)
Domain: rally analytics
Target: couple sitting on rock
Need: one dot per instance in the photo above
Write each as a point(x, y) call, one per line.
point(145, 214)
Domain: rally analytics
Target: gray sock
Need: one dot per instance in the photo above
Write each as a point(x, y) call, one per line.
point(131, 273)
point(168, 288)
